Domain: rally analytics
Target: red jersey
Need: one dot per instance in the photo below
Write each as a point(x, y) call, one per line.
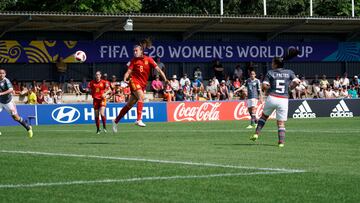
point(141, 68)
point(98, 88)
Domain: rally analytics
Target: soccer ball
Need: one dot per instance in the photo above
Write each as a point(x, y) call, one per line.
point(80, 56)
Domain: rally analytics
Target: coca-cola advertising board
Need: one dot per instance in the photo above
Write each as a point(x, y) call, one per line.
point(210, 111)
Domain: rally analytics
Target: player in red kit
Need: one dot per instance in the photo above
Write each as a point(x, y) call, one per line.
point(136, 76)
point(99, 90)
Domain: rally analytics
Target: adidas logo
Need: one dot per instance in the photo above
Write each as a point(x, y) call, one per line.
point(304, 111)
point(341, 111)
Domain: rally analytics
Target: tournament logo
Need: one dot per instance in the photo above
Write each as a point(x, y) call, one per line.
point(341, 111)
point(304, 111)
point(65, 114)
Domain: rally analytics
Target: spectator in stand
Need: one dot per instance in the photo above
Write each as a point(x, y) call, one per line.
point(187, 91)
point(229, 86)
point(174, 83)
point(344, 80)
point(355, 82)
point(49, 98)
point(31, 96)
point(35, 87)
point(197, 87)
point(301, 89)
point(113, 83)
point(58, 98)
point(180, 96)
point(352, 92)
point(343, 93)
point(216, 81)
point(16, 87)
point(212, 91)
point(61, 68)
point(316, 87)
point(54, 86)
point(157, 86)
point(84, 88)
point(184, 79)
point(23, 93)
point(223, 91)
point(169, 94)
point(337, 82)
point(324, 83)
point(43, 86)
point(218, 70)
point(73, 87)
point(236, 86)
point(329, 92)
point(161, 66)
point(198, 73)
point(238, 73)
point(119, 96)
point(40, 97)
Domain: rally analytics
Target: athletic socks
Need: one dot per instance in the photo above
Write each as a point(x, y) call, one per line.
point(140, 106)
point(97, 121)
point(260, 125)
point(122, 113)
point(103, 118)
point(23, 123)
point(253, 119)
point(281, 134)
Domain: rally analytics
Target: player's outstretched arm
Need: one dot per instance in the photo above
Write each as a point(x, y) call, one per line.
point(162, 74)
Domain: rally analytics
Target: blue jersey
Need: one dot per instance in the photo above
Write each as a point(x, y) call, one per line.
point(279, 81)
point(253, 88)
point(5, 85)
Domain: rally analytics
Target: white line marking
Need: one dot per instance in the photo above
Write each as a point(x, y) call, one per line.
point(153, 161)
point(205, 131)
point(82, 182)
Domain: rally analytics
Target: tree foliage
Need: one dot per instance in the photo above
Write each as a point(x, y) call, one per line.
point(204, 7)
point(104, 6)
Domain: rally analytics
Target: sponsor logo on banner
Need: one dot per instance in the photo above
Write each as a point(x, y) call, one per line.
point(65, 114)
point(341, 111)
point(304, 111)
point(205, 112)
point(241, 111)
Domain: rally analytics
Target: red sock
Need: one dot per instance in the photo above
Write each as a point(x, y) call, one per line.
point(122, 113)
point(103, 118)
point(97, 121)
point(140, 106)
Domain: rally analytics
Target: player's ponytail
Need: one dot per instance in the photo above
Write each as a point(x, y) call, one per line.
point(145, 43)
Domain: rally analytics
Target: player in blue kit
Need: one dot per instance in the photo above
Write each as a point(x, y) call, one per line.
point(7, 103)
point(277, 82)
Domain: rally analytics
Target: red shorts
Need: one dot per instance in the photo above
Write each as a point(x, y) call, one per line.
point(98, 103)
point(134, 86)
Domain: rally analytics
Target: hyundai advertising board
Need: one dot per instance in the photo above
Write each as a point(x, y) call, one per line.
point(84, 113)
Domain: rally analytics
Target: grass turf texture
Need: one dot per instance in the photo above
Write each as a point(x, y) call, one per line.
point(327, 149)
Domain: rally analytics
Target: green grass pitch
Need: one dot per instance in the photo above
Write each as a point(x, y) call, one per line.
point(182, 162)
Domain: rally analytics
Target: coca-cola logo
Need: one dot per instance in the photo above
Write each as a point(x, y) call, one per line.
point(241, 111)
point(205, 112)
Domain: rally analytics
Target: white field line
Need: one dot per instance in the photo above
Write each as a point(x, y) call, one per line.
point(205, 131)
point(153, 161)
point(87, 182)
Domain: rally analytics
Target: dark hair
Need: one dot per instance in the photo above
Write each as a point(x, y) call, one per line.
point(292, 53)
point(145, 43)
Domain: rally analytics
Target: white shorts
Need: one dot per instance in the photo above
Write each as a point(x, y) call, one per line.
point(251, 102)
point(9, 107)
point(281, 106)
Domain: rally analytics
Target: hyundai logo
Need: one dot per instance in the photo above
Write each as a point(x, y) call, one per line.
point(65, 114)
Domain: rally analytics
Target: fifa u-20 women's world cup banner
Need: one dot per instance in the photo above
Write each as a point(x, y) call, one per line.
point(49, 51)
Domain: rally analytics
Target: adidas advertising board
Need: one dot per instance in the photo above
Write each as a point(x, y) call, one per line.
point(341, 111)
point(304, 111)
